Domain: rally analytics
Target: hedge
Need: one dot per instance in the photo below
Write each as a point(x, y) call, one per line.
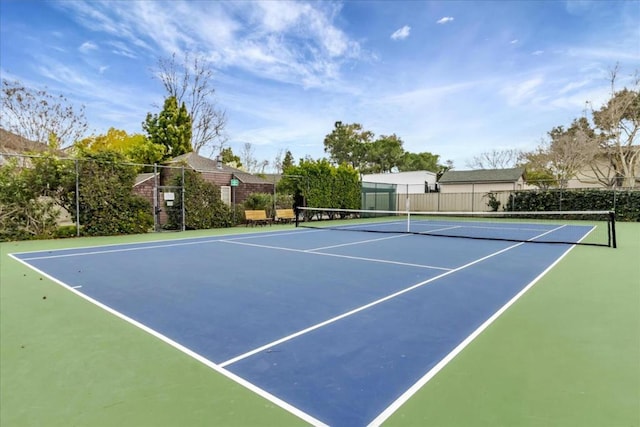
point(625, 203)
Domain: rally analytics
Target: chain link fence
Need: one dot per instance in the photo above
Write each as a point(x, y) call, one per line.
point(42, 196)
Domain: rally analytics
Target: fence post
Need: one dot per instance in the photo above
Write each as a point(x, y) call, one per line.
point(77, 199)
point(184, 227)
point(473, 196)
point(156, 210)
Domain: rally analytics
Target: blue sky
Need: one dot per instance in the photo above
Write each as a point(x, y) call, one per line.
point(452, 78)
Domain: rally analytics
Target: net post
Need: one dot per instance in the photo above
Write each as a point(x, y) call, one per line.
point(296, 211)
point(612, 228)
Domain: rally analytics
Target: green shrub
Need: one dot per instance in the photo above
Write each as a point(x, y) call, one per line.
point(107, 204)
point(626, 203)
point(260, 201)
point(202, 204)
point(66, 231)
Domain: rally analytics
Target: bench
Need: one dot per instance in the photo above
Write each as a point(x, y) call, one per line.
point(256, 217)
point(285, 215)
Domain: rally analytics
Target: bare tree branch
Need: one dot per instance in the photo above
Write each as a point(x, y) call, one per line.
point(39, 116)
point(191, 82)
point(495, 159)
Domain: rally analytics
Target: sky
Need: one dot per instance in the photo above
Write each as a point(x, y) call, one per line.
point(453, 78)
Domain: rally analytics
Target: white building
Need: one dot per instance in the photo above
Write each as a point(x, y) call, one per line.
point(406, 182)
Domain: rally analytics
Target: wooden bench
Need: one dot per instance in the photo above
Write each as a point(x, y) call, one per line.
point(285, 215)
point(256, 217)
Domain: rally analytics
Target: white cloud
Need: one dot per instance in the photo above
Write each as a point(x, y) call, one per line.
point(87, 47)
point(522, 92)
point(401, 33)
point(537, 52)
point(444, 20)
point(514, 41)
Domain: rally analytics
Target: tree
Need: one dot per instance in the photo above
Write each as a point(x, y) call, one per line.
point(107, 204)
point(419, 161)
point(171, 128)
point(617, 124)
point(287, 162)
point(249, 161)
point(496, 159)
point(322, 184)
point(136, 147)
point(567, 152)
point(448, 165)
point(202, 204)
point(30, 197)
point(40, 116)
point(347, 144)
point(383, 155)
point(191, 82)
point(537, 169)
point(230, 159)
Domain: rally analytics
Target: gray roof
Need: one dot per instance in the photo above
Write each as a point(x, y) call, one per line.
point(142, 177)
point(481, 175)
point(16, 144)
point(205, 164)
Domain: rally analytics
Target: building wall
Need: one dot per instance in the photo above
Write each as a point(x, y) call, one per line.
point(407, 182)
point(482, 187)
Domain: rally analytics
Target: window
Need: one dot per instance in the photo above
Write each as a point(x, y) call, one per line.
point(225, 194)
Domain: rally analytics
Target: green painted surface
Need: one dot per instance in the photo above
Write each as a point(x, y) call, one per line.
point(65, 362)
point(566, 354)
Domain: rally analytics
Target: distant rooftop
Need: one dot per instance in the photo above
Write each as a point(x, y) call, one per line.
point(481, 175)
point(205, 164)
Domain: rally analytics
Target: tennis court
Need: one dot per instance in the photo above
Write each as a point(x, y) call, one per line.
point(337, 328)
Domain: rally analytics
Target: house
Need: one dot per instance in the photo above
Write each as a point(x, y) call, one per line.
point(16, 146)
point(227, 178)
point(482, 180)
point(235, 185)
point(413, 182)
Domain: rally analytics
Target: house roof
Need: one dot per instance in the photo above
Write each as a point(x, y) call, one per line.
point(16, 144)
point(142, 177)
point(205, 164)
point(481, 175)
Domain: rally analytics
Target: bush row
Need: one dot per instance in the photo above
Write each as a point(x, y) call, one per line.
point(626, 204)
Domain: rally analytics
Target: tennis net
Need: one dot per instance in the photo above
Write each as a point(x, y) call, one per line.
point(596, 228)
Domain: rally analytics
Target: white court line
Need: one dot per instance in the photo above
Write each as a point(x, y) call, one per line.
point(453, 353)
point(361, 308)
point(313, 252)
point(265, 394)
point(169, 243)
point(356, 243)
point(141, 248)
point(220, 368)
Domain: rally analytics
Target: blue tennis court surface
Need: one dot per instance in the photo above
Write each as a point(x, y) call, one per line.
point(336, 327)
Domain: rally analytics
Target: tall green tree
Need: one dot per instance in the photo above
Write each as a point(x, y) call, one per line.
point(348, 144)
point(171, 128)
point(384, 154)
point(419, 162)
point(287, 162)
point(191, 82)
